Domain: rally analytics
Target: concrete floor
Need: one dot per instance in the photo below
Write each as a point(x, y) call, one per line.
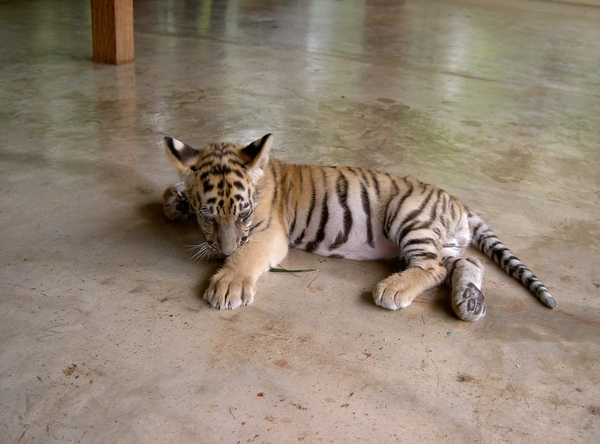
point(104, 337)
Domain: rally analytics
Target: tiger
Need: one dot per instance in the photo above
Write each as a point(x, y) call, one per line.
point(252, 208)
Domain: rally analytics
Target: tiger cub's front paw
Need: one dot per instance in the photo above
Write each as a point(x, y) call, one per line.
point(228, 291)
point(392, 293)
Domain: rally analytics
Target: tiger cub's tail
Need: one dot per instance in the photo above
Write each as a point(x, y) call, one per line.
point(486, 240)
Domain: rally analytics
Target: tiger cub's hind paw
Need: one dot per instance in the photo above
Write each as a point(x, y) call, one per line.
point(468, 304)
point(175, 205)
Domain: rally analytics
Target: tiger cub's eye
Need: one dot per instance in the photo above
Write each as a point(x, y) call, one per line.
point(245, 214)
point(206, 214)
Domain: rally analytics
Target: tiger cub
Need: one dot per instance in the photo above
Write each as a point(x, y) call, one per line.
point(252, 208)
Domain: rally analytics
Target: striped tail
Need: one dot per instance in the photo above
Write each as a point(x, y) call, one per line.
point(487, 241)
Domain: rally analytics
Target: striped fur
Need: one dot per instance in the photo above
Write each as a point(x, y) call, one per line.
point(252, 208)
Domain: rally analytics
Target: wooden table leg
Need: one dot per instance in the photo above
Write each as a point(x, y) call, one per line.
point(112, 31)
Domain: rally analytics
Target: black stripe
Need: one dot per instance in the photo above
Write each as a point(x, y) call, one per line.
point(341, 191)
point(220, 169)
point(409, 222)
point(311, 185)
point(207, 186)
point(537, 285)
point(492, 245)
point(396, 189)
point(433, 213)
point(312, 246)
point(468, 259)
point(498, 254)
point(276, 187)
point(364, 194)
point(391, 215)
point(363, 176)
point(481, 239)
point(445, 202)
point(292, 225)
point(509, 257)
point(256, 227)
point(299, 191)
point(423, 240)
point(425, 255)
point(452, 212)
point(354, 171)
point(238, 173)
point(273, 171)
point(299, 239)
point(374, 175)
point(519, 271)
point(220, 153)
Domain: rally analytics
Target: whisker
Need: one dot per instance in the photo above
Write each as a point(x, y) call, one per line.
point(203, 252)
point(194, 247)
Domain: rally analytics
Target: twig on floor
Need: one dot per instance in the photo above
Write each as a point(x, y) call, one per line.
point(310, 283)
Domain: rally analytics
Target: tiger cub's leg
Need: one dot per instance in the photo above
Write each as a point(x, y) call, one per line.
point(400, 289)
point(234, 284)
point(465, 277)
point(175, 205)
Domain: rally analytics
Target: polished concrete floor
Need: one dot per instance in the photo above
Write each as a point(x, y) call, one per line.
point(104, 337)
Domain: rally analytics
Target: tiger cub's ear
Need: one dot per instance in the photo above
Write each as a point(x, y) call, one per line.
point(256, 155)
point(182, 155)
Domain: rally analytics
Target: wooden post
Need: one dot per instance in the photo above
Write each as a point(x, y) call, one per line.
point(112, 31)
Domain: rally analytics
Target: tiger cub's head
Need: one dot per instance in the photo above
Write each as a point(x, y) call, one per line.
point(220, 184)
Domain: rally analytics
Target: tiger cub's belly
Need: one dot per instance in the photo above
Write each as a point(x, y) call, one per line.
point(355, 248)
point(384, 249)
